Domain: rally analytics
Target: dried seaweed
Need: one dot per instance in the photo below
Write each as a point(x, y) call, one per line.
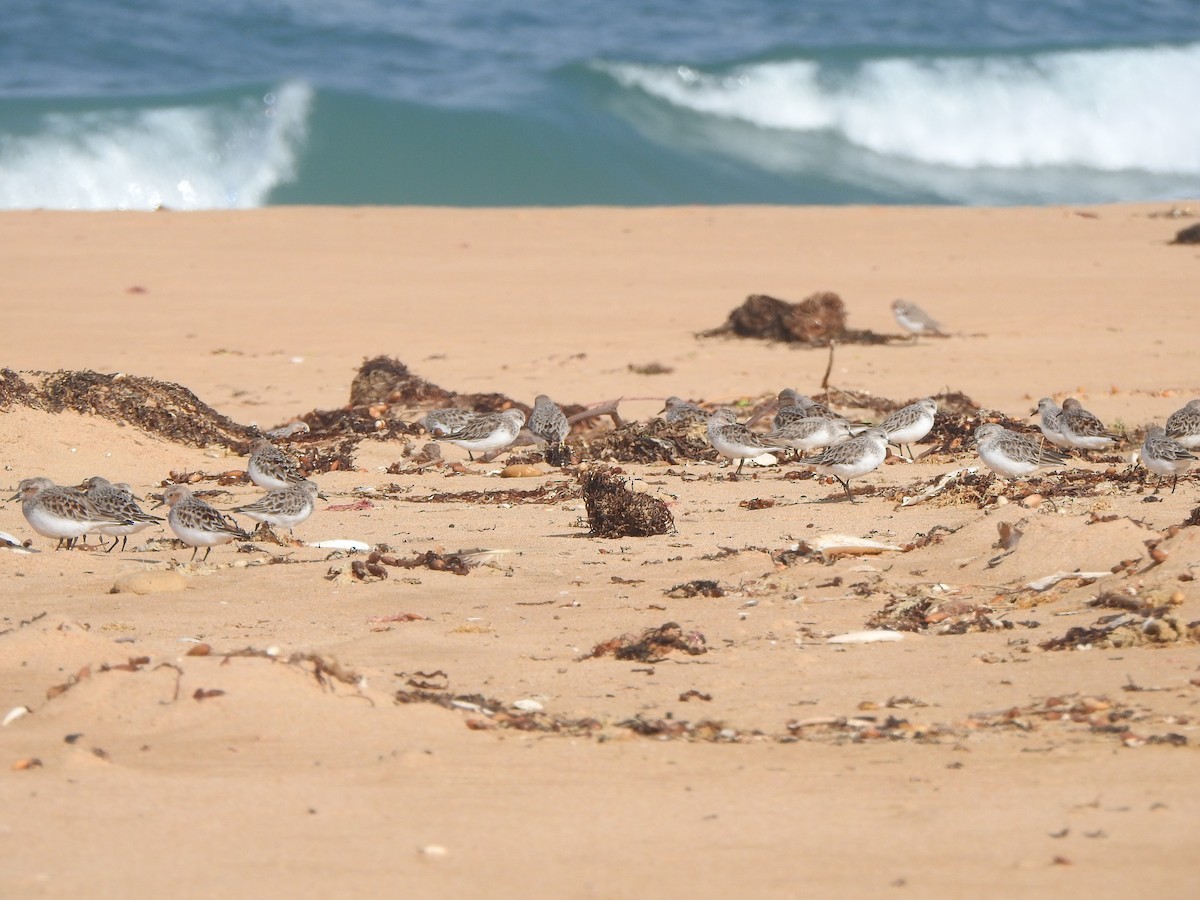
point(614, 511)
point(547, 493)
point(652, 645)
point(649, 442)
point(1189, 235)
point(159, 407)
point(816, 321)
point(698, 588)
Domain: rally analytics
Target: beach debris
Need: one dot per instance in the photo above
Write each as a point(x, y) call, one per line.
point(556, 492)
point(698, 588)
point(158, 407)
point(652, 645)
point(952, 478)
point(373, 567)
point(651, 368)
point(830, 546)
point(8, 542)
point(1049, 581)
point(1137, 622)
point(817, 320)
point(873, 636)
point(614, 511)
point(519, 470)
point(1189, 235)
point(13, 714)
point(347, 544)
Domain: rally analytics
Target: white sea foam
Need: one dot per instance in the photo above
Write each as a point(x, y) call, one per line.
point(222, 155)
point(1127, 110)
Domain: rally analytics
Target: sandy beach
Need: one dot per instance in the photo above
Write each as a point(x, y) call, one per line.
point(268, 722)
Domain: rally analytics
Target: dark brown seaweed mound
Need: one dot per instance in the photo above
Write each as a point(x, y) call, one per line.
point(1189, 235)
point(614, 511)
point(159, 407)
point(817, 320)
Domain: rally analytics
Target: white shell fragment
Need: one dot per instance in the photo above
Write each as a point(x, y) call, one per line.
point(528, 705)
point(866, 637)
point(831, 545)
point(764, 459)
point(8, 542)
point(15, 713)
point(341, 544)
point(1042, 584)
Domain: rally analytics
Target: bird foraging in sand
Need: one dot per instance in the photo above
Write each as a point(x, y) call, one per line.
point(441, 422)
point(488, 433)
point(60, 512)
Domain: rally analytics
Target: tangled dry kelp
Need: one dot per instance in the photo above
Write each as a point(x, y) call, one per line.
point(648, 442)
point(159, 407)
point(614, 511)
point(817, 320)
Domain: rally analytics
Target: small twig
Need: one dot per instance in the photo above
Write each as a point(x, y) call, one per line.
point(828, 366)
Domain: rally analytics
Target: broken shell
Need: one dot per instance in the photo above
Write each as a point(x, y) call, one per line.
point(528, 705)
point(831, 545)
point(15, 713)
point(1042, 584)
point(866, 637)
point(520, 471)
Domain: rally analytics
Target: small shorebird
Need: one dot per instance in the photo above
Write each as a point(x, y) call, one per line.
point(196, 523)
point(488, 433)
point(733, 440)
point(285, 508)
point(910, 424)
point(1083, 430)
point(915, 320)
point(60, 512)
point(677, 411)
point(1163, 455)
point(547, 420)
point(1049, 414)
point(1183, 425)
point(441, 422)
point(857, 456)
point(271, 468)
point(810, 433)
point(117, 501)
point(1012, 455)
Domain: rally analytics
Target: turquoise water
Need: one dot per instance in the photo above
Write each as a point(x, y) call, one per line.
point(115, 104)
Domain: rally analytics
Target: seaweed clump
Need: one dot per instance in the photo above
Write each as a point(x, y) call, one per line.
point(158, 407)
point(817, 320)
point(614, 511)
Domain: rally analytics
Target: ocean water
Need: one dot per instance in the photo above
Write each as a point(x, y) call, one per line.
point(136, 104)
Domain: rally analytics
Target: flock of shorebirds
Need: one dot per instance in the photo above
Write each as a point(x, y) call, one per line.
point(846, 450)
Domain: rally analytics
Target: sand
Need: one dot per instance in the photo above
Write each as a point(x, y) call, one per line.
point(970, 763)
